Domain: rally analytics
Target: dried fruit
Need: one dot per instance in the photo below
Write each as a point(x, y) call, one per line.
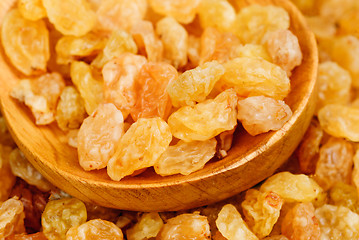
point(140, 147)
point(261, 114)
point(300, 223)
point(40, 95)
point(321, 27)
point(147, 41)
point(148, 226)
point(11, 218)
point(91, 89)
point(231, 225)
point(193, 50)
point(183, 11)
point(308, 150)
point(60, 215)
point(343, 194)
point(255, 77)
point(7, 177)
point(292, 187)
point(25, 42)
point(31, 9)
point(340, 121)
point(95, 229)
point(185, 226)
point(254, 51)
point(334, 85)
point(70, 17)
point(194, 85)
point(219, 46)
point(99, 136)
point(119, 75)
point(120, 14)
point(284, 49)
point(261, 211)
point(206, 119)
point(70, 48)
point(150, 85)
point(118, 43)
point(175, 41)
point(254, 22)
point(355, 175)
point(70, 111)
point(337, 222)
point(185, 157)
point(22, 168)
point(218, 14)
point(335, 163)
point(34, 236)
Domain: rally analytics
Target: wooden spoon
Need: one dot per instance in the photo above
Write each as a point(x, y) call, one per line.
point(250, 160)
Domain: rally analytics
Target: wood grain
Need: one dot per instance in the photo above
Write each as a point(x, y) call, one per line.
point(251, 159)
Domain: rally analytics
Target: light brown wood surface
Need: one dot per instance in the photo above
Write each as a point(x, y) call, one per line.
point(250, 160)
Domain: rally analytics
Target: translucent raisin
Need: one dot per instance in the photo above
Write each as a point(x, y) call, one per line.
point(119, 77)
point(343, 194)
point(31, 9)
point(95, 229)
point(70, 111)
point(175, 41)
point(140, 147)
point(60, 215)
point(261, 114)
point(25, 42)
point(195, 85)
point(185, 157)
point(255, 77)
point(261, 211)
point(11, 218)
point(70, 17)
point(292, 187)
point(206, 119)
point(98, 137)
point(335, 162)
point(300, 223)
point(188, 226)
point(254, 51)
point(148, 226)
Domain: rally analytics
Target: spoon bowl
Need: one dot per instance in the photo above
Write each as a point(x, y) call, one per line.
point(250, 160)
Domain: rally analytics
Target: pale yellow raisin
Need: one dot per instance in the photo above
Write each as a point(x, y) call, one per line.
point(22, 168)
point(231, 225)
point(120, 14)
point(340, 121)
point(261, 211)
point(95, 229)
point(185, 157)
point(255, 77)
point(70, 17)
point(11, 218)
point(343, 194)
point(140, 147)
point(31, 9)
point(193, 50)
point(118, 43)
point(60, 215)
point(206, 119)
point(255, 21)
point(334, 85)
point(40, 95)
point(119, 75)
point(195, 85)
point(219, 14)
point(335, 163)
point(148, 226)
point(183, 11)
point(70, 111)
point(261, 114)
point(284, 49)
point(175, 41)
point(99, 136)
point(254, 51)
point(25, 42)
point(292, 187)
point(185, 226)
point(337, 222)
point(70, 48)
point(91, 89)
